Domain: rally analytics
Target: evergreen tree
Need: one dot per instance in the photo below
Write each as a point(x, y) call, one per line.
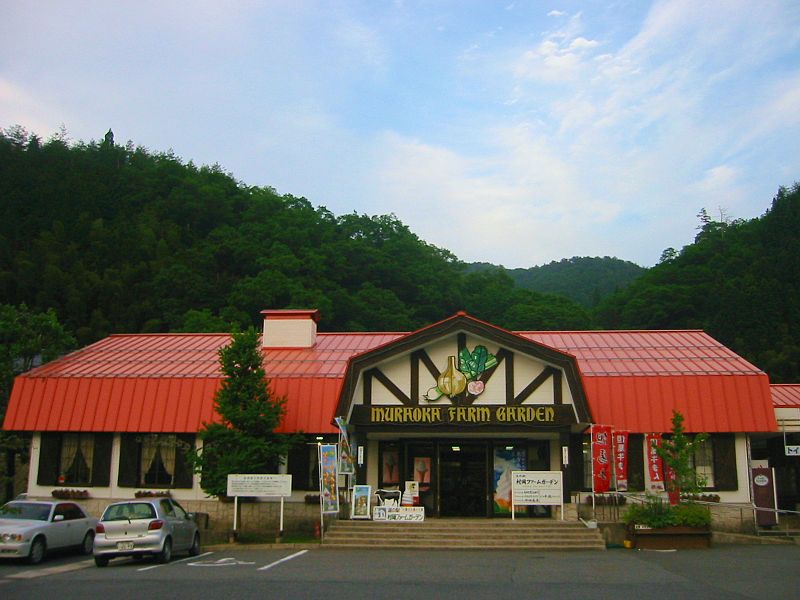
point(245, 440)
point(677, 452)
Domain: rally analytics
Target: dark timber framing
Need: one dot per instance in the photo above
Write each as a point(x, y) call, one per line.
point(461, 325)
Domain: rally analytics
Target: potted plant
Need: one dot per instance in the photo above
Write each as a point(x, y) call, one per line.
point(655, 524)
point(681, 523)
point(68, 494)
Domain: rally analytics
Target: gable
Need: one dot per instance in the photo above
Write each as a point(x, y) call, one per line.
point(462, 371)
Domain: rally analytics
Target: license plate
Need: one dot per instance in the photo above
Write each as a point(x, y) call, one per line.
point(124, 545)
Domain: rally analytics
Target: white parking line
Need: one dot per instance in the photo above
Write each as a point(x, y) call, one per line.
point(174, 561)
point(52, 570)
point(277, 562)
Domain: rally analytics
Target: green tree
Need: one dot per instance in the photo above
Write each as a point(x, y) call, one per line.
point(677, 452)
point(26, 338)
point(244, 441)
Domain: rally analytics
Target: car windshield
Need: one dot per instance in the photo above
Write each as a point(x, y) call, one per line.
point(32, 511)
point(129, 511)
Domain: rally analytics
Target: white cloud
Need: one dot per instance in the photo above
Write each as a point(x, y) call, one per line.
point(556, 13)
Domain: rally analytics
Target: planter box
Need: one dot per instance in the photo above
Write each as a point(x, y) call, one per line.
point(672, 538)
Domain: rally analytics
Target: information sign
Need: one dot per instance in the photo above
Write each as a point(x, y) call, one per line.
point(537, 488)
point(259, 485)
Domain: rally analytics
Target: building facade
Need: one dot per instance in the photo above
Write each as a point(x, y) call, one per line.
point(454, 406)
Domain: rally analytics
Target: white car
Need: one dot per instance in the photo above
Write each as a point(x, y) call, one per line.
point(29, 529)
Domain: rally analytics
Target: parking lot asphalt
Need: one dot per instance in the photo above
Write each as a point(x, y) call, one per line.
point(723, 572)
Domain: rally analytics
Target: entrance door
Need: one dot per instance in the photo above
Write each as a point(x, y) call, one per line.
point(462, 480)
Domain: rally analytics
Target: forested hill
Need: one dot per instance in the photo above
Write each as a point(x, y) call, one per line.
point(584, 279)
point(119, 239)
point(739, 281)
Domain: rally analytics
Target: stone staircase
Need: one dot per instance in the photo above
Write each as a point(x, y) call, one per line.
point(463, 534)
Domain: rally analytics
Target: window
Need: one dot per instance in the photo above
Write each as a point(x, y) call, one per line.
point(703, 462)
point(74, 458)
point(77, 454)
point(155, 460)
point(303, 462)
point(69, 511)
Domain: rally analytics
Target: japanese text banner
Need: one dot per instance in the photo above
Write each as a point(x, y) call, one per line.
point(601, 458)
point(621, 460)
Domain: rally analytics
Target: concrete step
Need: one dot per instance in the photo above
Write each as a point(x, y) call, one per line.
point(465, 534)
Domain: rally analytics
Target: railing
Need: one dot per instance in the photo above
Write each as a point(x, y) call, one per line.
point(737, 518)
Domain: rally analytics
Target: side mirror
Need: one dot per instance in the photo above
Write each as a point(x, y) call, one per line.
point(58, 518)
point(190, 516)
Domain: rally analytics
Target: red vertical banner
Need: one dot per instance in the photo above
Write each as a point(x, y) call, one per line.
point(621, 460)
point(655, 468)
point(601, 458)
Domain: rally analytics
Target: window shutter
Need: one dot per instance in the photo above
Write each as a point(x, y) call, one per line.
point(128, 461)
point(298, 466)
point(636, 462)
point(49, 450)
point(183, 470)
point(101, 462)
point(576, 462)
point(725, 479)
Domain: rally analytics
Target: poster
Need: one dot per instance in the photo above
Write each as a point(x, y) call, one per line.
point(327, 478)
point(391, 467)
point(601, 458)
point(361, 501)
point(655, 468)
point(346, 459)
point(621, 460)
point(506, 461)
point(422, 469)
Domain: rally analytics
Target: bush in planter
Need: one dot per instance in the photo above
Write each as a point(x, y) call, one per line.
point(656, 513)
point(152, 494)
point(67, 494)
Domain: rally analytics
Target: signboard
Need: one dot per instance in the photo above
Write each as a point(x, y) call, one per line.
point(792, 450)
point(601, 458)
point(654, 465)
point(407, 514)
point(537, 488)
point(497, 415)
point(328, 465)
point(621, 460)
point(259, 485)
point(361, 502)
point(764, 496)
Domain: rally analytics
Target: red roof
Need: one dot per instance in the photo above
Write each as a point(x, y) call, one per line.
point(166, 382)
point(785, 395)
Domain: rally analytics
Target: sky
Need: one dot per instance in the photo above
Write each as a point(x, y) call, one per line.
point(511, 132)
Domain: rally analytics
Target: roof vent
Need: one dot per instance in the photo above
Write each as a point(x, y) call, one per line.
point(290, 328)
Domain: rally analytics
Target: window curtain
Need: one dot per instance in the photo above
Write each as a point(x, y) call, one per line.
point(149, 450)
point(167, 445)
point(69, 450)
point(87, 450)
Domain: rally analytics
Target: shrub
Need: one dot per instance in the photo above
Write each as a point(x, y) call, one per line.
point(656, 513)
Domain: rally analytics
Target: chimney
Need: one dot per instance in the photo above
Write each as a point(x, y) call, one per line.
point(290, 328)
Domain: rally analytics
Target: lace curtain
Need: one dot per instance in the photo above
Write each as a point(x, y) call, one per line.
point(69, 450)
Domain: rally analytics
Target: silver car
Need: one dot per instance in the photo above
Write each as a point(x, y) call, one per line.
point(29, 529)
point(153, 526)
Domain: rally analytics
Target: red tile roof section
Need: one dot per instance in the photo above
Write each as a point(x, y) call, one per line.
point(166, 382)
point(785, 395)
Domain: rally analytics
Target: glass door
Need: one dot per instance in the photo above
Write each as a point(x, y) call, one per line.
point(463, 479)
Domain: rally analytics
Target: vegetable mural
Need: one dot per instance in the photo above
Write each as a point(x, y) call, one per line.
point(455, 380)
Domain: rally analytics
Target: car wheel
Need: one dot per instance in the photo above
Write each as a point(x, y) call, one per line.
point(166, 552)
point(38, 549)
point(195, 549)
point(101, 561)
point(88, 543)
